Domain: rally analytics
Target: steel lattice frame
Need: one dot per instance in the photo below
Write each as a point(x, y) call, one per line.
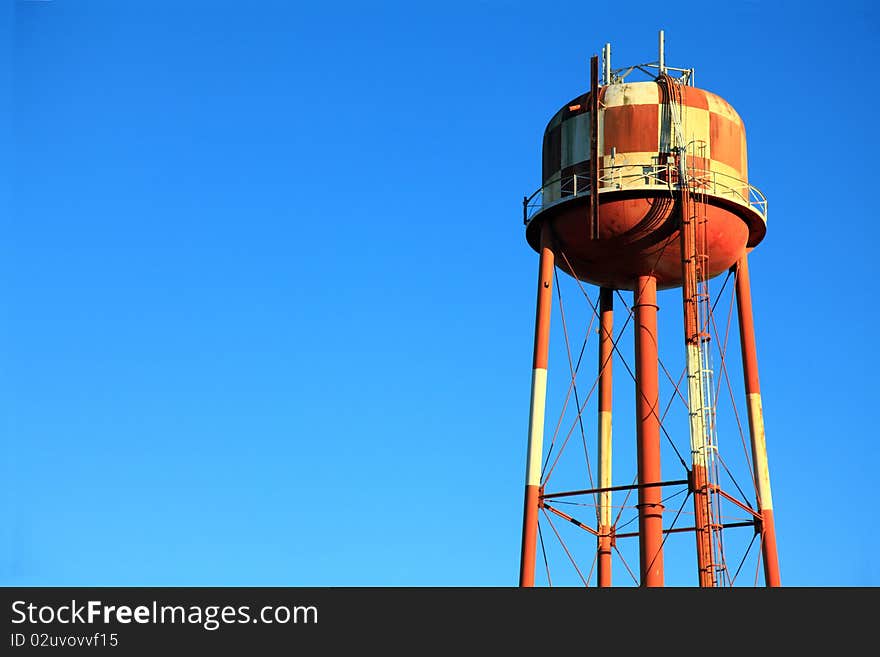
point(591, 561)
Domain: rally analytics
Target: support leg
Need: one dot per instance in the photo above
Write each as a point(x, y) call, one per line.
point(648, 432)
point(536, 412)
point(606, 350)
point(756, 422)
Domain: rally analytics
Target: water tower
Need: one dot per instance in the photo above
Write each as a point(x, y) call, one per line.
point(645, 187)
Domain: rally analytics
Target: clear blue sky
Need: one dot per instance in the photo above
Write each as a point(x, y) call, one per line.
point(267, 306)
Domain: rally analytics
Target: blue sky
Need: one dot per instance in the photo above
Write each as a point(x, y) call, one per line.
point(267, 306)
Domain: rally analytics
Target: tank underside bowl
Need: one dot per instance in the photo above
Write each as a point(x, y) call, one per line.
point(639, 236)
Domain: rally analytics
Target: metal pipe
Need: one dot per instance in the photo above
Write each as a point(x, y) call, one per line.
point(756, 422)
point(614, 489)
point(682, 530)
point(606, 351)
point(574, 521)
point(606, 60)
point(594, 147)
point(532, 500)
point(648, 432)
point(730, 498)
point(662, 61)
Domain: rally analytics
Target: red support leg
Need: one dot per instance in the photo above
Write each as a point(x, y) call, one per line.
point(648, 432)
point(536, 412)
point(756, 422)
point(606, 349)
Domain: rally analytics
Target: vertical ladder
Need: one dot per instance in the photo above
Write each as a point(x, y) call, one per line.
point(697, 183)
point(697, 308)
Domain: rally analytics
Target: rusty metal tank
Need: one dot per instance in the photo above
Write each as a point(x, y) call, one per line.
point(640, 126)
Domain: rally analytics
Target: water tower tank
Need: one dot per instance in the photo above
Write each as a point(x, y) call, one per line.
point(640, 125)
point(645, 185)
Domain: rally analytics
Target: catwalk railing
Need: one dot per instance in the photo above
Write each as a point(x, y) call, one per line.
point(648, 177)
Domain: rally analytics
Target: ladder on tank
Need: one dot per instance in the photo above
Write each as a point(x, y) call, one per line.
point(697, 183)
point(693, 182)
